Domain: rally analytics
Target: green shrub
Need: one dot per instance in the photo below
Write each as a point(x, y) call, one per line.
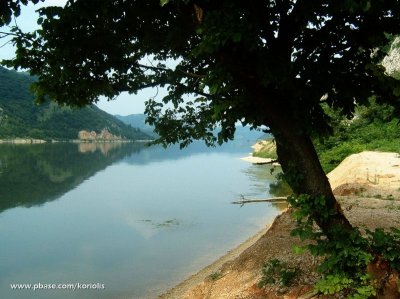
point(275, 271)
point(215, 275)
point(345, 259)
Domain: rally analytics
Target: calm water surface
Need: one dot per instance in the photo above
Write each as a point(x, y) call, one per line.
point(135, 219)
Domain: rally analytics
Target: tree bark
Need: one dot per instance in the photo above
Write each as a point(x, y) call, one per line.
point(304, 173)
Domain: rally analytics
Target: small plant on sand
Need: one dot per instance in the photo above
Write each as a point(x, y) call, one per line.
point(215, 275)
point(360, 191)
point(275, 271)
point(390, 197)
point(348, 263)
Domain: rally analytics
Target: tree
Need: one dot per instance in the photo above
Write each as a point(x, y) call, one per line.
point(8, 8)
point(263, 63)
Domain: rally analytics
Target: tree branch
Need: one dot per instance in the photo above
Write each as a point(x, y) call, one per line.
point(125, 87)
point(155, 68)
point(8, 34)
point(271, 199)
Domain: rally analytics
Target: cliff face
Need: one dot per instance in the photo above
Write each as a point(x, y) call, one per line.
point(104, 135)
point(392, 60)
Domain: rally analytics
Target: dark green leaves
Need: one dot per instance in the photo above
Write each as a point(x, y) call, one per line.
point(243, 57)
point(387, 242)
point(10, 8)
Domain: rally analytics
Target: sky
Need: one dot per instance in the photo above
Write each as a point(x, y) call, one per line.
point(124, 104)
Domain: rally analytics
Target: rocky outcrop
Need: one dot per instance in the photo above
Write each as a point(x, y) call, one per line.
point(104, 135)
point(392, 61)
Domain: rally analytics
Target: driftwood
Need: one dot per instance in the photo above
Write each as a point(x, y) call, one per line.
point(271, 199)
point(266, 162)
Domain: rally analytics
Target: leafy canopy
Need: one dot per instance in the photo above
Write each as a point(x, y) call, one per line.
point(232, 60)
point(8, 8)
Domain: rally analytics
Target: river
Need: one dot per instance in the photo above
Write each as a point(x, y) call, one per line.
point(121, 220)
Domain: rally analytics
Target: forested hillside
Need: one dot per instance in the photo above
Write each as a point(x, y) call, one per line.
point(21, 117)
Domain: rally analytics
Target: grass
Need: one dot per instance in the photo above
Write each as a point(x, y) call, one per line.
point(215, 275)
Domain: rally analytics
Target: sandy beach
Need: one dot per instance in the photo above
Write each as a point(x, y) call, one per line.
point(179, 290)
point(257, 160)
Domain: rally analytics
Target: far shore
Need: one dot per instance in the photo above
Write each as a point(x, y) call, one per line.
point(41, 141)
point(22, 141)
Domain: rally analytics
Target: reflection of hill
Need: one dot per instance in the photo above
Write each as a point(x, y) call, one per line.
point(34, 174)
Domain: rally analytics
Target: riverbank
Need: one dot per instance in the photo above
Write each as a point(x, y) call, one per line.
point(211, 270)
point(23, 141)
point(366, 186)
point(257, 160)
point(41, 141)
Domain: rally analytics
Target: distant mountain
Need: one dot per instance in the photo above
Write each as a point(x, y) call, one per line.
point(21, 117)
point(244, 133)
point(137, 121)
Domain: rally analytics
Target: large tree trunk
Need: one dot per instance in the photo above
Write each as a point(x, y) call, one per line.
point(304, 174)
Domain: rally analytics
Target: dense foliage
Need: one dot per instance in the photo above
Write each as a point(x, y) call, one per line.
point(8, 8)
point(239, 61)
point(22, 118)
point(376, 128)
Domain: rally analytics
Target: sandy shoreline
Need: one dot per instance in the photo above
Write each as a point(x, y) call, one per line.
point(179, 290)
point(367, 186)
point(256, 160)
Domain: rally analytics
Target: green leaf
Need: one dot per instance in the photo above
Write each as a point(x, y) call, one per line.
point(396, 91)
point(164, 2)
point(299, 249)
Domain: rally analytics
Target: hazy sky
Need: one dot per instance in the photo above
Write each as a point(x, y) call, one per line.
point(125, 104)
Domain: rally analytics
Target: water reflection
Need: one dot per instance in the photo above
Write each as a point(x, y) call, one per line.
point(137, 226)
point(34, 174)
point(264, 177)
point(261, 176)
point(103, 147)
